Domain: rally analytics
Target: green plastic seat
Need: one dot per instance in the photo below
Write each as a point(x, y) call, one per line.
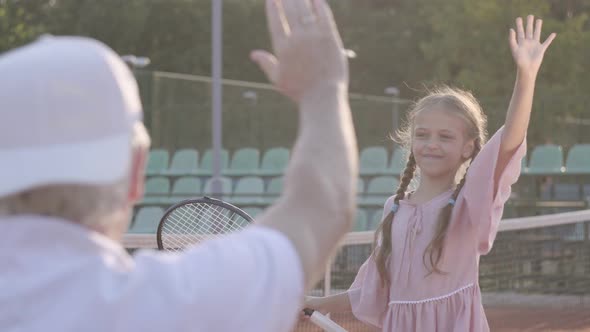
point(578, 159)
point(157, 190)
point(146, 220)
point(376, 219)
point(184, 162)
point(373, 161)
point(186, 187)
point(157, 162)
point(273, 190)
point(244, 161)
point(524, 169)
point(546, 159)
point(399, 160)
point(360, 186)
point(206, 166)
point(226, 187)
point(249, 191)
point(274, 162)
point(379, 189)
point(361, 223)
point(253, 211)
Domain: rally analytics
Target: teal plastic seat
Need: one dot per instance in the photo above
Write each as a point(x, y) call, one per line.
point(249, 191)
point(206, 166)
point(226, 187)
point(578, 159)
point(157, 190)
point(399, 159)
point(146, 220)
point(360, 186)
point(379, 189)
point(244, 162)
point(373, 160)
point(524, 169)
point(157, 162)
point(546, 159)
point(253, 211)
point(376, 219)
point(184, 162)
point(186, 187)
point(361, 223)
point(274, 162)
point(274, 190)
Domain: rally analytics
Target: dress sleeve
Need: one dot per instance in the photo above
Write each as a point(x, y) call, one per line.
point(485, 207)
point(368, 298)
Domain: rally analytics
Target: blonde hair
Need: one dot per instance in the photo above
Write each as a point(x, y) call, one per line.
point(90, 205)
point(464, 105)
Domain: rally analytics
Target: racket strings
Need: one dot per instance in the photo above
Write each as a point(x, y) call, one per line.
point(191, 223)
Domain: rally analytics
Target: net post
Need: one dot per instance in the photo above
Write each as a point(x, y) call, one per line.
point(327, 279)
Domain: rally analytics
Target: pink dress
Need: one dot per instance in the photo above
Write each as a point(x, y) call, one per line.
point(450, 302)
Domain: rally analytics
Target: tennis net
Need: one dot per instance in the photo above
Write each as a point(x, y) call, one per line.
point(540, 261)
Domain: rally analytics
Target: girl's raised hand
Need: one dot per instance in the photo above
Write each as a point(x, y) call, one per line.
point(526, 46)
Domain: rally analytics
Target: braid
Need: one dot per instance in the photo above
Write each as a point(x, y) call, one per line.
point(406, 178)
point(434, 249)
point(382, 252)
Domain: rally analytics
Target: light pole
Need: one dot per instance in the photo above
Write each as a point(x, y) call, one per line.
point(216, 91)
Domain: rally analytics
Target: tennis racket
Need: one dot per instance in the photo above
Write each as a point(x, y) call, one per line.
point(322, 321)
point(195, 220)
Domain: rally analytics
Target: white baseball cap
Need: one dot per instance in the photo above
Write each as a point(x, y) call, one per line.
point(68, 108)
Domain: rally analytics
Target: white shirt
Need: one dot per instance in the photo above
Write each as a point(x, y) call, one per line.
point(59, 276)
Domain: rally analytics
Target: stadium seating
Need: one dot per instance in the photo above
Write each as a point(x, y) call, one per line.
point(244, 162)
point(157, 161)
point(253, 178)
point(226, 187)
point(379, 189)
point(398, 161)
point(578, 159)
point(157, 190)
point(206, 166)
point(184, 188)
point(249, 191)
point(274, 162)
point(373, 161)
point(361, 224)
point(253, 211)
point(184, 162)
point(146, 220)
point(376, 219)
point(546, 159)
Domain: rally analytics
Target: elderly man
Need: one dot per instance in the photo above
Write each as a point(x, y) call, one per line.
point(72, 155)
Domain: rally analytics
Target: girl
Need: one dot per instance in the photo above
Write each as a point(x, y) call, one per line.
point(423, 273)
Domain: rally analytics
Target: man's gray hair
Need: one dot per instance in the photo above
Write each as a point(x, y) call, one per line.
point(90, 205)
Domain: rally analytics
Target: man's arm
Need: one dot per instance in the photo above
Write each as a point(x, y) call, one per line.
point(318, 204)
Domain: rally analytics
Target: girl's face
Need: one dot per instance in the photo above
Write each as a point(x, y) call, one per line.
point(439, 142)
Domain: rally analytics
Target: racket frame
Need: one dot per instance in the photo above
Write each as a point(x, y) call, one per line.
point(202, 200)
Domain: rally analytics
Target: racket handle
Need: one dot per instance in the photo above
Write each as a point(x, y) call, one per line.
point(322, 321)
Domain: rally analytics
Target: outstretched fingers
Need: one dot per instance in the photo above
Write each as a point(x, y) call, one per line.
point(519, 30)
point(277, 25)
point(538, 28)
point(548, 41)
point(512, 40)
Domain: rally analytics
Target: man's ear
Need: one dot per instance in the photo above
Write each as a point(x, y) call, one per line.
point(137, 176)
